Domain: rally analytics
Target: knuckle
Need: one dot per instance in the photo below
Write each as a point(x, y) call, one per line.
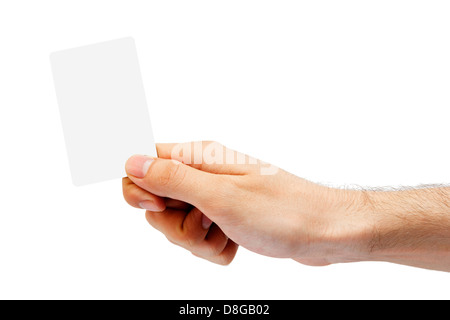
point(126, 192)
point(171, 175)
point(130, 195)
point(190, 238)
point(128, 200)
point(172, 241)
point(179, 235)
point(224, 260)
point(215, 250)
point(211, 145)
point(190, 242)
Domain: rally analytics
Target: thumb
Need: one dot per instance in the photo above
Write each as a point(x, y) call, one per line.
point(172, 179)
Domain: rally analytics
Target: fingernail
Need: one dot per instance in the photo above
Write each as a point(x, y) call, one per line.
point(149, 205)
point(206, 222)
point(138, 165)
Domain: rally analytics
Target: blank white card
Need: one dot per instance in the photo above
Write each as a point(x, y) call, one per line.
point(103, 109)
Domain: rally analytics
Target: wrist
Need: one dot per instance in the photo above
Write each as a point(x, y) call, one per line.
point(354, 224)
point(340, 229)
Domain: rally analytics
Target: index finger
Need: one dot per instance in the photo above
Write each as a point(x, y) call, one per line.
point(209, 156)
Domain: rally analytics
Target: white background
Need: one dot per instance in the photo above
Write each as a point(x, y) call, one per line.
point(338, 92)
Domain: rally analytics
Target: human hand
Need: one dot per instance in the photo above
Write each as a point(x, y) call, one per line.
point(252, 204)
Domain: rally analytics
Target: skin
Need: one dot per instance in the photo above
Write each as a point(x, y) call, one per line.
point(210, 209)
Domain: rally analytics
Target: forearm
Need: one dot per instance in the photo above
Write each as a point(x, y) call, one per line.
point(410, 227)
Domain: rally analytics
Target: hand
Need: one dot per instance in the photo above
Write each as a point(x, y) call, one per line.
point(253, 204)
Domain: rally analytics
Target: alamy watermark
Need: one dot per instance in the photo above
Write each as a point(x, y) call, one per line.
point(213, 153)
